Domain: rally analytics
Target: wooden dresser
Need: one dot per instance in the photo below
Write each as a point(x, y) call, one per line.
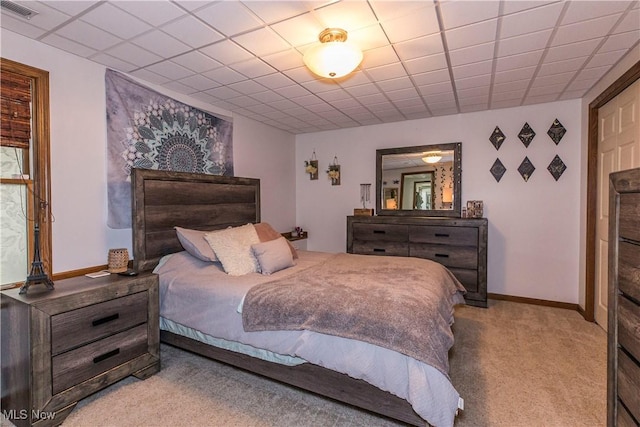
point(623, 375)
point(460, 244)
point(62, 345)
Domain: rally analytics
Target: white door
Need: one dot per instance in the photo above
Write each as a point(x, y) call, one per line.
point(618, 149)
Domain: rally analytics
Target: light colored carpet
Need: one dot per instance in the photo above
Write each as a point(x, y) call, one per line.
point(514, 364)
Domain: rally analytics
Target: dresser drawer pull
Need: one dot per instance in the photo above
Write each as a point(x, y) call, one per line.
point(379, 250)
point(107, 355)
point(379, 232)
point(106, 319)
point(442, 235)
point(442, 255)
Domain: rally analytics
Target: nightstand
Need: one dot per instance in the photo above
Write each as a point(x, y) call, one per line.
point(298, 242)
point(62, 345)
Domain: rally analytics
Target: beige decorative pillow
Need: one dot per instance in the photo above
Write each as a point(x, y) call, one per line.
point(273, 255)
point(266, 233)
point(232, 247)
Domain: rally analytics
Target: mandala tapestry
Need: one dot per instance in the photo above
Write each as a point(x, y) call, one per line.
point(148, 130)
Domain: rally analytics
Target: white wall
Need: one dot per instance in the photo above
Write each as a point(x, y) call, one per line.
point(81, 237)
point(534, 226)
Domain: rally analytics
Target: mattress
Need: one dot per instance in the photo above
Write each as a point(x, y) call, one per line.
point(200, 301)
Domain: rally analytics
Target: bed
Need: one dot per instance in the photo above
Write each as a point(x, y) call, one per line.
point(363, 373)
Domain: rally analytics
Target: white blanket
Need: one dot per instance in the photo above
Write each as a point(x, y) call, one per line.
point(201, 296)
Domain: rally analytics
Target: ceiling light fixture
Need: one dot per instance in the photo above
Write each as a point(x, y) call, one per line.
point(432, 157)
point(334, 57)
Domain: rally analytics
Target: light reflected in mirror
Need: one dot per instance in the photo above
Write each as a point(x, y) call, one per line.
point(421, 180)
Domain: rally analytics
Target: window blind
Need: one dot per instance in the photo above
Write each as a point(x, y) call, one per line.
point(15, 97)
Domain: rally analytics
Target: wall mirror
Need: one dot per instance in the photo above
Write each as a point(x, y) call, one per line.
point(424, 180)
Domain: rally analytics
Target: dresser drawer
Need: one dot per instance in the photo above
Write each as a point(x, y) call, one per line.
point(629, 326)
point(75, 366)
point(468, 278)
point(77, 327)
point(381, 248)
point(629, 214)
point(458, 236)
point(380, 232)
point(629, 383)
point(629, 269)
point(447, 255)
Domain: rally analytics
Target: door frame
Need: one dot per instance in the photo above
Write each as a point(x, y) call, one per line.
point(617, 87)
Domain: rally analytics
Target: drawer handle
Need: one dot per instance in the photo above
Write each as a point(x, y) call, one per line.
point(442, 235)
point(442, 255)
point(379, 250)
point(105, 356)
point(379, 231)
point(106, 319)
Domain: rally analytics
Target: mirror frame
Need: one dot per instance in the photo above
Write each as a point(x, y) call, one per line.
point(457, 180)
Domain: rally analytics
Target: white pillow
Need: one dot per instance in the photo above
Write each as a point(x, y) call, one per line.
point(193, 242)
point(232, 247)
point(273, 255)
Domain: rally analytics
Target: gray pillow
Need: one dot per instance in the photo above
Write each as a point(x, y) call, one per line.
point(194, 243)
point(273, 255)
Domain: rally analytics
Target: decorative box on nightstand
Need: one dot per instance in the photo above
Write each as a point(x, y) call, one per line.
point(298, 242)
point(62, 345)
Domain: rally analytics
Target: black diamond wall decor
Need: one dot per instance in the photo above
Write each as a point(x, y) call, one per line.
point(556, 132)
point(526, 169)
point(497, 138)
point(556, 167)
point(497, 170)
point(526, 134)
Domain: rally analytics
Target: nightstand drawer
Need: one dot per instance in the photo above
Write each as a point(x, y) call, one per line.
point(628, 326)
point(450, 256)
point(629, 269)
point(75, 366)
point(77, 327)
point(468, 278)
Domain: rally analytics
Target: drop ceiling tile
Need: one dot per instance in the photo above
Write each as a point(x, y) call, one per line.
point(229, 17)
point(267, 96)
point(226, 52)
point(386, 72)
point(573, 50)
point(244, 101)
point(395, 84)
point(461, 13)
point(592, 73)
point(583, 11)
point(440, 97)
point(578, 85)
point(179, 87)
point(518, 6)
point(472, 54)
point(434, 89)
point(355, 79)
point(113, 63)
point(134, 54)
point(386, 10)
point(470, 108)
point(199, 82)
point(88, 35)
point(253, 68)
point(522, 44)
point(506, 104)
point(335, 95)
point(410, 103)
point(552, 90)
point(70, 7)
point(619, 41)
point(518, 61)
point(161, 12)
point(366, 89)
point(483, 81)
point(423, 46)
point(161, 43)
point(569, 65)
point(474, 101)
point(150, 76)
point(223, 92)
point(224, 75)
point(115, 21)
point(438, 76)
point(68, 45)
point(300, 30)
point(263, 41)
point(293, 91)
point(426, 63)
point(472, 70)
point(320, 86)
point(473, 92)
point(368, 38)
point(518, 85)
point(514, 75)
point(420, 23)
point(629, 22)
point(350, 103)
point(540, 99)
point(555, 79)
point(197, 62)
point(274, 11)
point(606, 58)
point(347, 15)
point(274, 81)
point(471, 35)
point(530, 21)
point(285, 104)
point(21, 27)
point(584, 30)
point(47, 18)
point(397, 95)
point(285, 60)
point(192, 31)
point(300, 75)
point(509, 95)
point(170, 70)
point(379, 56)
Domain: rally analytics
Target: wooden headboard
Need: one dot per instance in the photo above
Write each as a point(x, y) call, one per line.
point(162, 200)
